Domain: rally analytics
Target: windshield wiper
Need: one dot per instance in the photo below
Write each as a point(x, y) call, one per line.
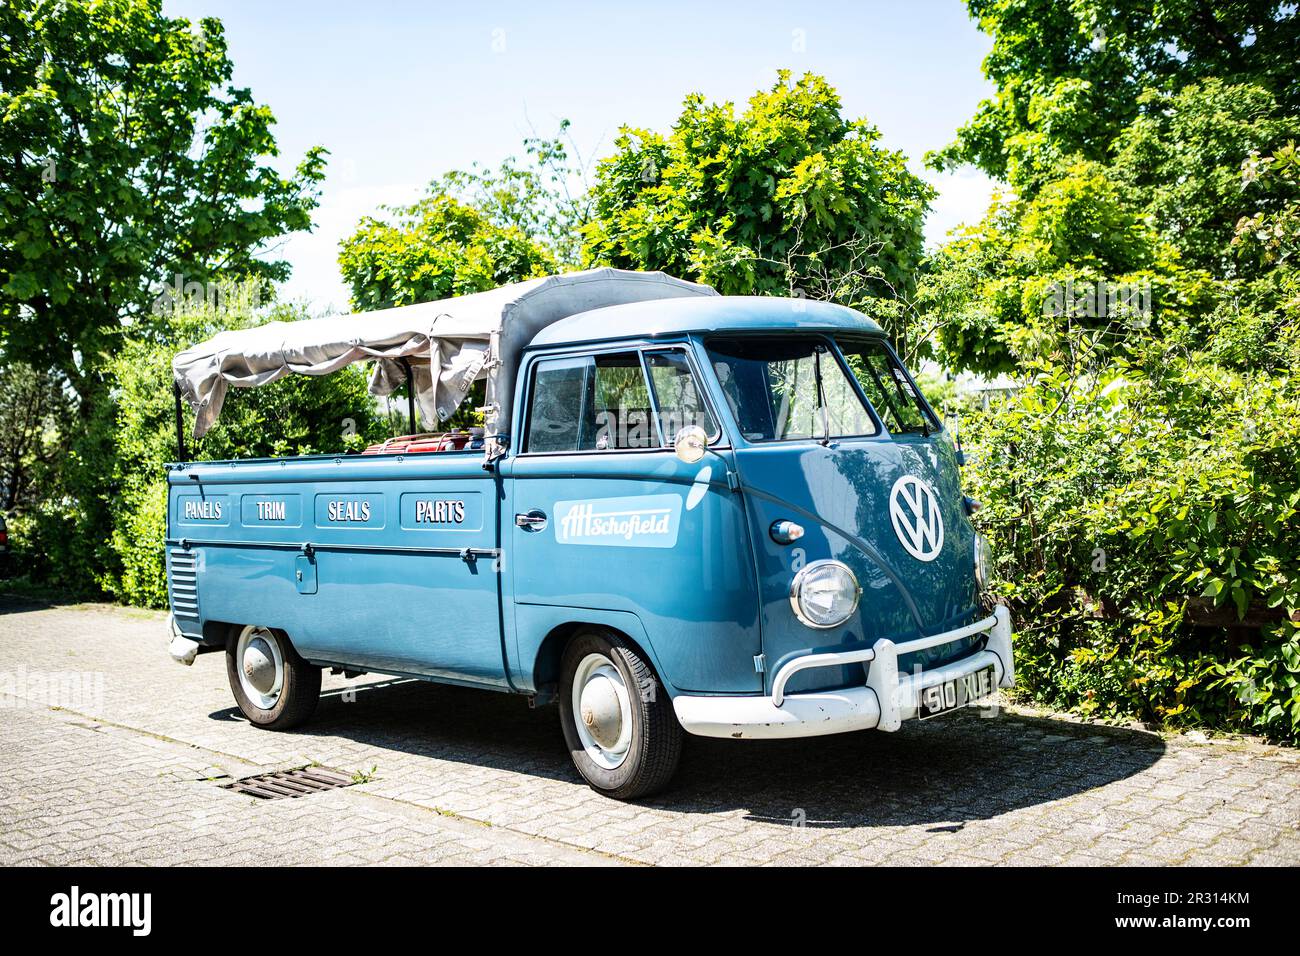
point(821, 395)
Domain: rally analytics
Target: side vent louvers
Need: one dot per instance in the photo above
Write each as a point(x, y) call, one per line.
point(182, 582)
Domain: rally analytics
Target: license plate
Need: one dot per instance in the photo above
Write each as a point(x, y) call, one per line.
point(958, 692)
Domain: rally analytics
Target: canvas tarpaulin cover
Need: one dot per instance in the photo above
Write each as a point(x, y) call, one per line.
point(446, 345)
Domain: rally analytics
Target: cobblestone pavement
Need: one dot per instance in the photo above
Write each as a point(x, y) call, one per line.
point(127, 769)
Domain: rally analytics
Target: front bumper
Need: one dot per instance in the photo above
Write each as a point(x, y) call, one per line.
point(883, 703)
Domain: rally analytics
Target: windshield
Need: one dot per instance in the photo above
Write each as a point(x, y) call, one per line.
point(788, 387)
point(887, 386)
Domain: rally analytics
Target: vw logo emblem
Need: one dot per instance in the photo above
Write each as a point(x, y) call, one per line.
point(914, 510)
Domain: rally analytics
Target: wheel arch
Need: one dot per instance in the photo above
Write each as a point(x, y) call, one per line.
point(218, 635)
point(553, 629)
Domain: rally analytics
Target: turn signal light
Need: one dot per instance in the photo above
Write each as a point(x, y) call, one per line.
point(785, 532)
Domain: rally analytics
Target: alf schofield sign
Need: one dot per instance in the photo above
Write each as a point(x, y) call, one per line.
point(642, 521)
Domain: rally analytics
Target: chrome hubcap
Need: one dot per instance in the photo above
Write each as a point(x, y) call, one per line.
point(602, 710)
point(261, 666)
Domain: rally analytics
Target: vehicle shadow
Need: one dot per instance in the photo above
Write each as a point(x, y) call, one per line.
point(20, 603)
point(941, 773)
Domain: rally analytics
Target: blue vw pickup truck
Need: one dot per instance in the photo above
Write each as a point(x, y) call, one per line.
point(686, 514)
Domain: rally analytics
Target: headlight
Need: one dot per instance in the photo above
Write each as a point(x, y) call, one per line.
point(983, 561)
point(824, 594)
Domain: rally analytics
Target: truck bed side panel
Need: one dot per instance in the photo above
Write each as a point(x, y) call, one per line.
point(386, 563)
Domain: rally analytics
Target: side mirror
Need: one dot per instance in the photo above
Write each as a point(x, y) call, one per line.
point(690, 443)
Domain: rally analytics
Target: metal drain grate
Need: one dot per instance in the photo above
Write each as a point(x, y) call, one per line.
point(290, 783)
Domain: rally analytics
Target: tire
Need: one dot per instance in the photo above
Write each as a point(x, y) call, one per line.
point(620, 765)
point(296, 684)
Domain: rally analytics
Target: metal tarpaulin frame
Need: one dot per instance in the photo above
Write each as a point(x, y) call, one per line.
point(465, 338)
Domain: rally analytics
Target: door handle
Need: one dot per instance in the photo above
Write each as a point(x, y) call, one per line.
point(531, 521)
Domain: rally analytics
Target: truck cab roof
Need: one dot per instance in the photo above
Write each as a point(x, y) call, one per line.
point(664, 318)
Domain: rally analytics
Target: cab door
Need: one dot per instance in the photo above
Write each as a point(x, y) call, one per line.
point(605, 518)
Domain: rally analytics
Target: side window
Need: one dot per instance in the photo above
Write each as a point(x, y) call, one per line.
point(559, 405)
point(592, 403)
point(677, 395)
point(624, 418)
point(887, 387)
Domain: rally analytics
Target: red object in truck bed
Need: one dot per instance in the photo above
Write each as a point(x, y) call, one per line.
point(420, 444)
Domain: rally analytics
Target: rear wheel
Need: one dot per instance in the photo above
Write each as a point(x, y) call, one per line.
point(619, 725)
point(273, 686)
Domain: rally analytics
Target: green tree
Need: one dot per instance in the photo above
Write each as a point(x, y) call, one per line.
point(787, 196)
point(1078, 258)
point(1272, 239)
point(1181, 162)
point(1070, 74)
point(545, 196)
point(1141, 480)
point(129, 159)
point(435, 248)
point(34, 411)
point(1140, 188)
point(1263, 330)
point(130, 163)
point(297, 415)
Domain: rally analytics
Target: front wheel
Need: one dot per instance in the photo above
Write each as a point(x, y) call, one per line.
point(273, 686)
point(620, 727)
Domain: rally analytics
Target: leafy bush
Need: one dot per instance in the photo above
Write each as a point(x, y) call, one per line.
point(1142, 485)
point(1126, 507)
point(295, 415)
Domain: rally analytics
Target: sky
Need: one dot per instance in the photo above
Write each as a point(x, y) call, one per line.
point(402, 92)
